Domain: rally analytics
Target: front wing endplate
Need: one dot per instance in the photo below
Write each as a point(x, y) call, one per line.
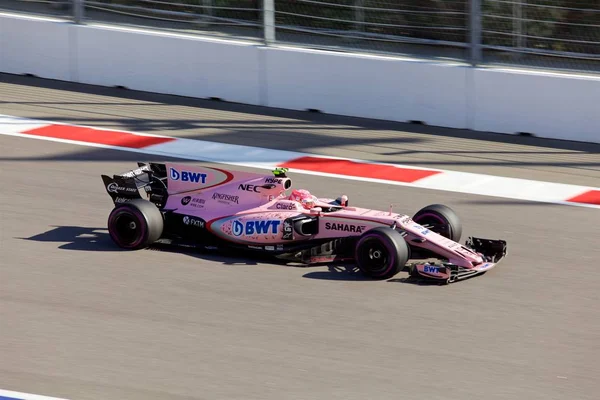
point(492, 250)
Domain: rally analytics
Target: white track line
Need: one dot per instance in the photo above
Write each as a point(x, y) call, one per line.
point(9, 394)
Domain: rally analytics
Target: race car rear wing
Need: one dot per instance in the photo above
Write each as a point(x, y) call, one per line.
point(127, 185)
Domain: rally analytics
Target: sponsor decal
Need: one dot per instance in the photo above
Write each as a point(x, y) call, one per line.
point(285, 206)
point(331, 226)
point(198, 203)
point(187, 176)
point(279, 247)
point(226, 197)
point(431, 269)
point(254, 188)
point(193, 202)
point(255, 227)
point(136, 172)
point(249, 188)
point(288, 230)
point(270, 248)
point(485, 266)
point(425, 232)
point(274, 180)
point(121, 200)
point(114, 187)
point(192, 221)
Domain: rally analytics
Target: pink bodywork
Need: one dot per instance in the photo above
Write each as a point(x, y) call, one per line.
point(250, 208)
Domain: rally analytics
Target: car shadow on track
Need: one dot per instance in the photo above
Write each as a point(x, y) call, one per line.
point(352, 273)
point(81, 238)
point(77, 238)
point(347, 272)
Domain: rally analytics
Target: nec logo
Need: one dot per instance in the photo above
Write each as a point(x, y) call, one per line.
point(185, 176)
point(254, 188)
point(249, 188)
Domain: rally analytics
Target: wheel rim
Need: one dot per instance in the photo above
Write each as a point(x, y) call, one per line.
point(127, 229)
point(375, 256)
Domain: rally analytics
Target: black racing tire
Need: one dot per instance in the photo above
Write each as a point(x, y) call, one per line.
point(135, 225)
point(381, 253)
point(443, 220)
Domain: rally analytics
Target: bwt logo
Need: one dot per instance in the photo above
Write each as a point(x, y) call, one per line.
point(432, 270)
point(255, 227)
point(186, 176)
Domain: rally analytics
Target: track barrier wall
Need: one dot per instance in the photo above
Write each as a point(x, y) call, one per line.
point(550, 105)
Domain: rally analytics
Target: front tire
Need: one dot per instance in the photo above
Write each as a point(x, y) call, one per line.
point(442, 219)
point(135, 225)
point(381, 253)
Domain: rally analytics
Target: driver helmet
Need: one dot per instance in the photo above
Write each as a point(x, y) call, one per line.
point(303, 197)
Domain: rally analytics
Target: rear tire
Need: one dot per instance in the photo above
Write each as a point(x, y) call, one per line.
point(135, 225)
point(381, 253)
point(443, 220)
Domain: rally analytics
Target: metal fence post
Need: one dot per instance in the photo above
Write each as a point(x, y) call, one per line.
point(519, 27)
point(207, 12)
point(475, 22)
point(359, 15)
point(78, 8)
point(269, 21)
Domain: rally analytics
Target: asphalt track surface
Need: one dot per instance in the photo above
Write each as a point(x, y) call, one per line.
point(83, 320)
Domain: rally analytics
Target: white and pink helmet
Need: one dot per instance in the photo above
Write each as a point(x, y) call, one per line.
point(304, 197)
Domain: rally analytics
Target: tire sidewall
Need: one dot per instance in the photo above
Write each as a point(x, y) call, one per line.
point(395, 246)
point(139, 217)
point(444, 214)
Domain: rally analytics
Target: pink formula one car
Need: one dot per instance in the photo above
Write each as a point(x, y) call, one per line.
point(213, 208)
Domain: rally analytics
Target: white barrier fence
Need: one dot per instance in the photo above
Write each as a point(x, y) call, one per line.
point(547, 105)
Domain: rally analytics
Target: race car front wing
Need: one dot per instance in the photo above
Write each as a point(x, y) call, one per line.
point(492, 250)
